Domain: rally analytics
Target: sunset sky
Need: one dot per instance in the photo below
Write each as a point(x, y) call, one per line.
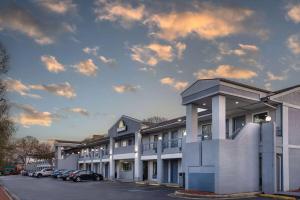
point(77, 66)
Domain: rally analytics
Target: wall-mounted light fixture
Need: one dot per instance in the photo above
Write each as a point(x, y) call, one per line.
point(268, 118)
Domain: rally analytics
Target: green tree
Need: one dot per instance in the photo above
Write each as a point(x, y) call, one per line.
point(6, 124)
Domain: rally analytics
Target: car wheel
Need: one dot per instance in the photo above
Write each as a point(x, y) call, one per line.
point(68, 178)
point(78, 179)
point(97, 178)
point(39, 175)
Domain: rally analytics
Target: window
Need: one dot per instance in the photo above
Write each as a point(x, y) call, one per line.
point(227, 128)
point(238, 123)
point(260, 117)
point(124, 143)
point(116, 144)
point(126, 166)
point(130, 142)
point(206, 132)
point(154, 173)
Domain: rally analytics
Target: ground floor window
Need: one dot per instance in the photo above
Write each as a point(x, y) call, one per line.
point(206, 132)
point(126, 166)
point(260, 117)
point(154, 173)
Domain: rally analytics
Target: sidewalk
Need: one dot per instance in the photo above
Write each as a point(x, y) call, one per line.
point(3, 194)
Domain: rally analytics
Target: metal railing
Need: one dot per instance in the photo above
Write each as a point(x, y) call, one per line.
point(149, 146)
point(173, 143)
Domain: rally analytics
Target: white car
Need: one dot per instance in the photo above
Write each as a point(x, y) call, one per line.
point(43, 172)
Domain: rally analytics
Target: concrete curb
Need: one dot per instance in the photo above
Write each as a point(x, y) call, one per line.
point(275, 196)
point(215, 196)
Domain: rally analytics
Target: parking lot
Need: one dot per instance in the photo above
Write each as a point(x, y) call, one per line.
point(28, 188)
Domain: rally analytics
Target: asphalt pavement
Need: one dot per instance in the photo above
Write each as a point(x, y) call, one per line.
point(28, 188)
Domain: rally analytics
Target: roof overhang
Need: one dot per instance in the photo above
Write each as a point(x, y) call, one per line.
point(210, 87)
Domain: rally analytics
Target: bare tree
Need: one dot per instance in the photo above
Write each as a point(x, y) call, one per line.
point(155, 119)
point(6, 124)
point(44, 151)
point(26, 148)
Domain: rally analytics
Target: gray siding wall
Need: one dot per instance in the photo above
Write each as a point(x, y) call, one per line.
point(294, 167)
point(132, 127)
point(237, 167)
point(69, 162)
point(294, 126)
point(294, 153)
point(292, 98)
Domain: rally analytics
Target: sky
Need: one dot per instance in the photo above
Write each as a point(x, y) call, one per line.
point(77, 66)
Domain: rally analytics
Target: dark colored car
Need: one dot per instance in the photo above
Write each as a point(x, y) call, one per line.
point(66, 175)
point(86, 175)
point(57, 173)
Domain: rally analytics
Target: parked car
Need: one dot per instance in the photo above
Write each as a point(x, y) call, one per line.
point(57, 173)
point(43, 172)
point(66, 175)
point(31, 173)
point(24, 173)
point(85, 175)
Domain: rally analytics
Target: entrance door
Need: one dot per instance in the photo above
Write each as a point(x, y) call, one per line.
point(174, 171)
point(145, 170)
point(165, 171)
point(279, 172)
point(106, 170)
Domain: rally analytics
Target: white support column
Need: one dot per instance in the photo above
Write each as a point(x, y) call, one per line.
point(137, 157)
point(219, 117)
point(191, 123)
point(111, 160)
point(285, 147)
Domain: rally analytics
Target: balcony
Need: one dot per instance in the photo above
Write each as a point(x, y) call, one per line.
point(149, 148)
point(172, 146)
point(105, 153)
point(124, 149)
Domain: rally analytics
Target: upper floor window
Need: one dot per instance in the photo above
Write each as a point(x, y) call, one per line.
point(130, 142)
point(116, 144)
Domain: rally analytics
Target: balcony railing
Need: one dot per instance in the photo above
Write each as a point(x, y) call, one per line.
point(151, 146)
point(173, 143)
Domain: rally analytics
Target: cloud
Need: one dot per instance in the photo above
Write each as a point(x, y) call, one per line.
point(87, 68)
point(78, 110)
point(206, 22)
point(117, 11)
point(52, 64)
point(242, 50)
point(293, 43)
point(19, 87)
point(62, 89)
point(180, 49)
point(126, 88)
point(30, 116)
point(106, 60)
point(177, 85)
point(152, 54)
point(91, 50)
point(58, 6)
point(17, 19)
point(268, 86)
point(225, 71)
point(293, 12)
point(43, 32)
point(273, 77)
